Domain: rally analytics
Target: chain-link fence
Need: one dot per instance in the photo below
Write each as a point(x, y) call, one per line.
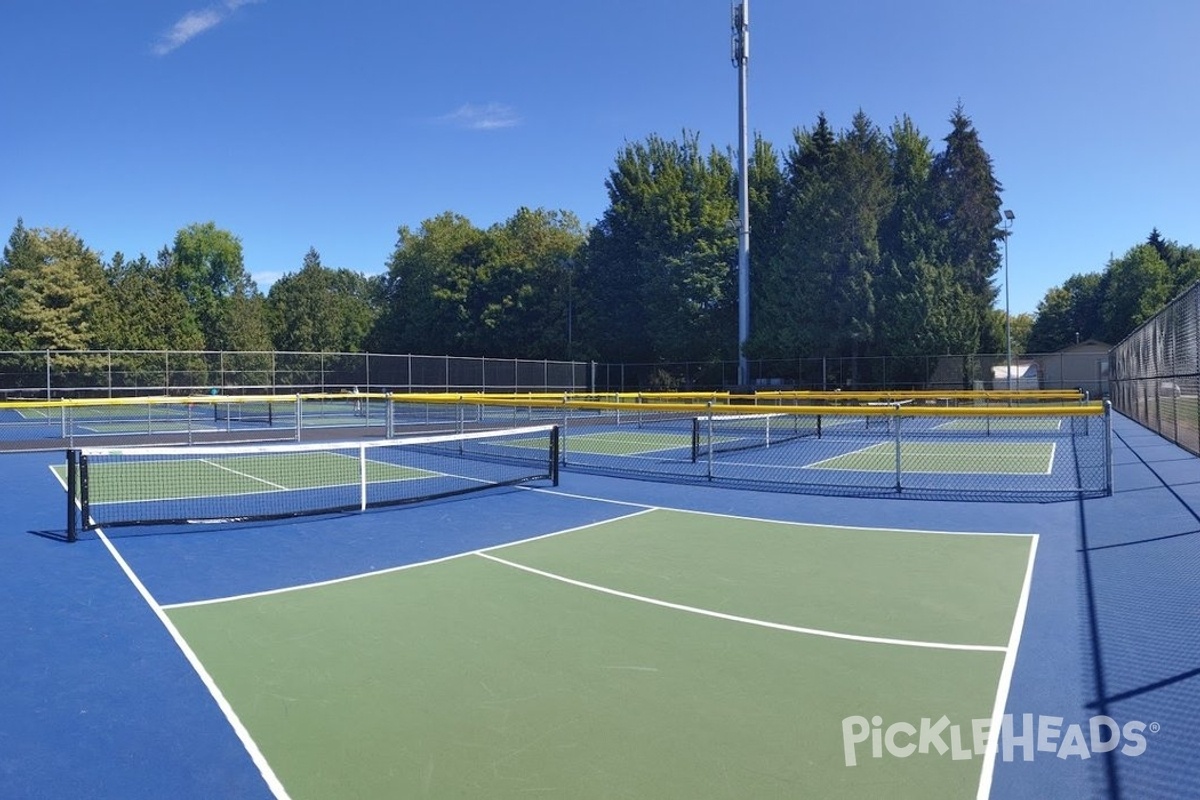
point(58, 374)
point(1083, 367)
point(1156, 372)
point(916, 450)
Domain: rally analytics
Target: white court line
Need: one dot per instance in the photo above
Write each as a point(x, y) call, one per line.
point(868, 448)
point(913, 449)
point(865, 528)
point(1005, 683)
point(389, 570)
point(260, 761)
point(853, 637)
point(244, 474)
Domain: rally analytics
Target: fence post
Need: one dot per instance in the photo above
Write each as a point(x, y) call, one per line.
point(1108, 452)
point(897, 416)
point(710, 440)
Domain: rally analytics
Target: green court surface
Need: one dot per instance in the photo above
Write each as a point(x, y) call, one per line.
point(665, 654)
point(229, 475)
point(621, 443)
point(160, 425)
point(984, 458)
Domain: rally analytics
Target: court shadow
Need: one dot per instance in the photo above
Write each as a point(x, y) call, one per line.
point(1137, 595)
point(57, 536)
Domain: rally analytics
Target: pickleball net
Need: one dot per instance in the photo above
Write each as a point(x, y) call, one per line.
point(729, 433)
point(110, 487)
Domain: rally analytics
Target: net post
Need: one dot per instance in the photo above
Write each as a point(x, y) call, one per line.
point(710, 440)
point(695, 439)
point(389, 417)
point(299, 415)
point(362, 478)
point(554, 445)
point(85, 511)
point(72, 517)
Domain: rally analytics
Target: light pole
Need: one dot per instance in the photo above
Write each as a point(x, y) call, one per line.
point(741, 56)
point(1009, 216)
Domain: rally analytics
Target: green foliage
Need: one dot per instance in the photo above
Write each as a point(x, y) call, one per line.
point(206, 266)
point(321, 310)
point(865, 243)
point(966, 198)
point(1138, 284)
point(657, 279)
point(54, 293)
point(153, 313)
point(452, 288)
point(1069, 313)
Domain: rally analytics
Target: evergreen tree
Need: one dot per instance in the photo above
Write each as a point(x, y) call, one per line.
point(321, 310)
point(797, 311)
point(768, 213)
point(864, 196)
point(967, 200)
point(154, 314)
point(920, 304)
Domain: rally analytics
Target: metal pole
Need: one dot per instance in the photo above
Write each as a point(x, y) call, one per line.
point(1108, 449)
point(741, 57)
point(1008, 220)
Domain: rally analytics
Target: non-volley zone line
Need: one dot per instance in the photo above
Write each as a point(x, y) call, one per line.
point(344, 474)
point(947, 458)
point(490, 553)
point(399, 568)
point(779, 626)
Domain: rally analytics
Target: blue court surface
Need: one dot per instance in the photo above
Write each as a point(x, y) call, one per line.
point(612, 637)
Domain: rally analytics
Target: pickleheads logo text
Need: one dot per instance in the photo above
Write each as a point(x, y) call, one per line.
point(1022, 739)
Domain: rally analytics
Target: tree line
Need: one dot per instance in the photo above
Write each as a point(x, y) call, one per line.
point(866, 242)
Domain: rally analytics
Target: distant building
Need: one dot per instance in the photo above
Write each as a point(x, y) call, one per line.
point(1024, 376)
point(1080, 366)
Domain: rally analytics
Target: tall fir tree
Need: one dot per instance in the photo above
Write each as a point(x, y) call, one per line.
point(967, 200)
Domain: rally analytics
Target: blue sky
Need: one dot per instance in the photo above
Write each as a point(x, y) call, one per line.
point(296, 123)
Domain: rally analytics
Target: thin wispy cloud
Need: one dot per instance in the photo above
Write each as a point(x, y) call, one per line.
point(490, 117)
point(194, 23)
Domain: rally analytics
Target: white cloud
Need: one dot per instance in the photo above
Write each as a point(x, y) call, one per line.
point(194, 23)
point(492, 116)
